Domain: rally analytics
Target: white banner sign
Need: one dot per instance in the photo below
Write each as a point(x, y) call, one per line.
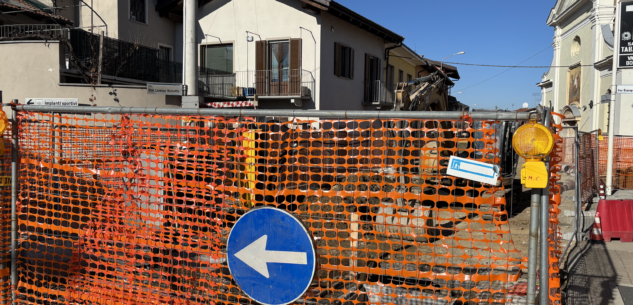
point(74, 102)
point(164, 89)
point(624, 89)
point(473, 170)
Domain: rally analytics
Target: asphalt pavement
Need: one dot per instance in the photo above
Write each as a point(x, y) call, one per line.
point(602, 272)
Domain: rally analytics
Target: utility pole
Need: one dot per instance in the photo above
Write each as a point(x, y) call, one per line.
point(614, 78)
point(192, 100)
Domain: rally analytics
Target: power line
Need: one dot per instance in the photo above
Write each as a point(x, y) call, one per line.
point(481, 82)
point(522, 67)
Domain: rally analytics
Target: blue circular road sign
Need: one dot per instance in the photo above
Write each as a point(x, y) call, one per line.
point(271, 256)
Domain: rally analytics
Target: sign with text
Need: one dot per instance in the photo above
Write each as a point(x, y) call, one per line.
point(625, 57)
point(164, 89)
point(473, 170)
point(605, 99)
point(624, 89)
point(72, 102)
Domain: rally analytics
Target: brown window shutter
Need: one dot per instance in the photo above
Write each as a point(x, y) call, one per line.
point(367, 77)
point(378, 69)
point(295, 66)
point(260, 55)
point(260, 67)
point(295, 54)
point(351, 59)
point(337, 59)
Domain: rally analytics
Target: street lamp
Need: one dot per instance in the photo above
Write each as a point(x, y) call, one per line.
point(442, 63)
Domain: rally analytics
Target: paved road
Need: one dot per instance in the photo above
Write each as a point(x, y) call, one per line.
point(600, 268)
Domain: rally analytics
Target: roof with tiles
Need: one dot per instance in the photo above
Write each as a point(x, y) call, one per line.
point(33, 9)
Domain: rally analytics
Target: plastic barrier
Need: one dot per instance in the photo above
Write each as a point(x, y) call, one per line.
point(615, 219)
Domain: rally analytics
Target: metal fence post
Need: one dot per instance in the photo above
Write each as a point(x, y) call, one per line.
point(14, 199)
point(544, 278)
point(578, 201)
point(597, 163)
point(533, 245)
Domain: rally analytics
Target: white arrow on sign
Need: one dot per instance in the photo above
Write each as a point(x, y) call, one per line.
point(257, 257)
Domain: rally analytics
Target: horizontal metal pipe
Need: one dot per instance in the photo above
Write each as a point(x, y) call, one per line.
point(338, 114)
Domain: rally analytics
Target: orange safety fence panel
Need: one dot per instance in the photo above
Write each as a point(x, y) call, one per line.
point(554, 234)
point(5, 218)
point(622, 160)
point(136, 209)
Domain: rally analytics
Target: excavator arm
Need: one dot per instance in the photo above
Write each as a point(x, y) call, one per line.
point(410, 95)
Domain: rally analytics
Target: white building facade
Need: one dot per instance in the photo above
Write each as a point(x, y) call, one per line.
point(286, 54)
point(581, 73)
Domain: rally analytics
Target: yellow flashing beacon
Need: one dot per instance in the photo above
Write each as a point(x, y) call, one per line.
point(533, 141)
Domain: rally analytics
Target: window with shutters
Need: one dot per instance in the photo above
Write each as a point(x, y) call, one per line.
point(138, 10)
point(278, 68)
point(400, 76)
point(217, 59)
point(409, 78)
point(343, 61)
point(372, 76)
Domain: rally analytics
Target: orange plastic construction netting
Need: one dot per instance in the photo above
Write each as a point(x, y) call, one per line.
point(136, 209)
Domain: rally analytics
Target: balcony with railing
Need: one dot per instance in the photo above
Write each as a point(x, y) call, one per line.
point(286, 83)
point(124, 60)
point(32, 31)
point(380, 93)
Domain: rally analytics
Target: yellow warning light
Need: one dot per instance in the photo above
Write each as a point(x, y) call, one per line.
point(533, 141)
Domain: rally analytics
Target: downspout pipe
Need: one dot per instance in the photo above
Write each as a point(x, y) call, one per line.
point(387, 51)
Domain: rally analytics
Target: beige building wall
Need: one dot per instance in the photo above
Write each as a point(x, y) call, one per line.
point(400, 64)
point(38, 77)
point(603, 116)
point(229, 20)
point(107, 9)
point(584, 57)
point(343, 93)
point(116, 14)
point(156, 32)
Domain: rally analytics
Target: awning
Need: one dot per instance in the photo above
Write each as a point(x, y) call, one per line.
point(232, 104)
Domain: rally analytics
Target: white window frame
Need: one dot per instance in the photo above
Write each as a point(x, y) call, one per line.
point(171, 54)
point(129, 13)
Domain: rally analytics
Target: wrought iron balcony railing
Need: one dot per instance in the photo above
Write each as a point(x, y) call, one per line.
point(263, 83)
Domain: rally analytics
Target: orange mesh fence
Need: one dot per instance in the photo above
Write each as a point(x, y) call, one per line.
point(587, 157)
point(136, 209)
point(588, 161)
point(622, 161)
point(5, 219)
point(554, 235)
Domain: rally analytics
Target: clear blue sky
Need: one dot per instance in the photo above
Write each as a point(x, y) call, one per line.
point(490, 32)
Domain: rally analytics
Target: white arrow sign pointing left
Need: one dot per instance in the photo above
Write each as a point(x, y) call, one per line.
point(257, 257)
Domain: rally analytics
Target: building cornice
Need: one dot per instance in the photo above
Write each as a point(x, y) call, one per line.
point(556, 18)
point(545, 84)
point(604, 64)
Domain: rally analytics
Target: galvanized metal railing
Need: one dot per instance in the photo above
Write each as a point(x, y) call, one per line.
point(379, 92)
point(263, 83)
point(21, 30)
